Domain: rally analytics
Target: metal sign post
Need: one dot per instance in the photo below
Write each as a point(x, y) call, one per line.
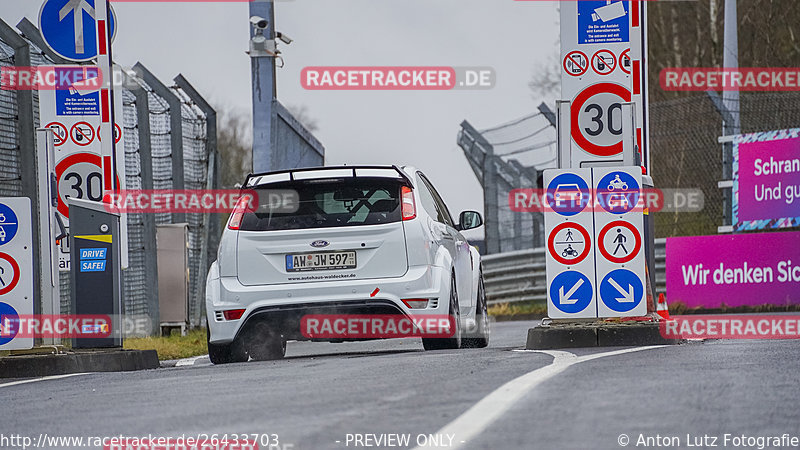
point(602, 53)
point(51, 227)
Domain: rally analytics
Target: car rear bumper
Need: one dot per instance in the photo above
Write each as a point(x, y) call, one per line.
point(284, 305)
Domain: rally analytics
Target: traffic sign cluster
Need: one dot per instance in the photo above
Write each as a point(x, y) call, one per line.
point(16, 270)
point(595, 257)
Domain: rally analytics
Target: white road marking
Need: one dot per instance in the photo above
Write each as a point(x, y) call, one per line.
point(189, 361)
point(34, 380)
point(490, 408)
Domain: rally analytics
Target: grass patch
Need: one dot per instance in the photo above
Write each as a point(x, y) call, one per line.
point(172, 347)
point(528, 309)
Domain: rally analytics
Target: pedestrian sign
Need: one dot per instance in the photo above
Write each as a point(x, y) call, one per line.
point(619, 241)
point(69, 28)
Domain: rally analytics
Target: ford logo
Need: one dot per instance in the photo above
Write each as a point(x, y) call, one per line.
point(320, 244)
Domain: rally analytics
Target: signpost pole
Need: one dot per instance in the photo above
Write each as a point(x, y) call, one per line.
point(104, 61)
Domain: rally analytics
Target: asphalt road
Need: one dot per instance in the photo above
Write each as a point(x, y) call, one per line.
point(322, 396)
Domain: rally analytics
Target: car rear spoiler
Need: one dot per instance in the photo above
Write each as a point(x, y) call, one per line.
point(252, 179)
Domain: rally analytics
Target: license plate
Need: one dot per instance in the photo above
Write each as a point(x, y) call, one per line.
point(320, 261)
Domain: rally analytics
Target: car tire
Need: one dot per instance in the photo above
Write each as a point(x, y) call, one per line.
point(264, 344)
point(225, 353)
point(454, 312)
point(480, 338)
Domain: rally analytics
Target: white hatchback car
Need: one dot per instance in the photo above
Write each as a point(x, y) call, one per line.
point(361, 240)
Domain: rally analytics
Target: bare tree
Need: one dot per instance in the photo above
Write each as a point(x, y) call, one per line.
point(234, 144)
point(545, 83)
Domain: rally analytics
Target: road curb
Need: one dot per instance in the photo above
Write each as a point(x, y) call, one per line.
point(544, 337)
point(77, 362)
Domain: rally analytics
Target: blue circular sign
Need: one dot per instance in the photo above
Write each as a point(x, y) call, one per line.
point(571, 292)
point(9, 323)
point(8, 224)
point(568, 194)
point(621, 290)
point(618, 192)
point(69, 28)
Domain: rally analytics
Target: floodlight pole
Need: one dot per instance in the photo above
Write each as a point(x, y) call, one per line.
point(264, 90)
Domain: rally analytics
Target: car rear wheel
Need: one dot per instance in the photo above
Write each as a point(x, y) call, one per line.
point(479, 338)
point(225, 353)
point(453, 342)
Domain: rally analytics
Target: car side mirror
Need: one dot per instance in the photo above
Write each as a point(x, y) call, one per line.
point(468, 220)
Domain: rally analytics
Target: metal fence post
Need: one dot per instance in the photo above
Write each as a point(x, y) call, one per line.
point(176, 130)
point(33, 34)
point(211, 169)
point(26, 131)
point(148, 219)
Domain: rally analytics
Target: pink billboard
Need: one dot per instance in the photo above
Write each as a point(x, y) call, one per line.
point(767, 180)
point(734, 270)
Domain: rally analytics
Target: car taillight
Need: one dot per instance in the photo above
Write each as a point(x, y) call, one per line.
point(233, 314)
point(409, 207)
point(238, 212)
point(416, 303)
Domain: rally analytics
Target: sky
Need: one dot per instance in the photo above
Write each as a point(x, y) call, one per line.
point(206, 42)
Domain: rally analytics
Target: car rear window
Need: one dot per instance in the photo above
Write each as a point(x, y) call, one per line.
point(325, 203)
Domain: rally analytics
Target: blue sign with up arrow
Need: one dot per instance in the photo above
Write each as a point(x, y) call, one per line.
point(571, 292)
point(69, 28)
point(621, 290)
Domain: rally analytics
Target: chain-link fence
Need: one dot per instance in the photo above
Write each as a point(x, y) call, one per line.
point(506, 157)
point(686, 153)
point(167, 146)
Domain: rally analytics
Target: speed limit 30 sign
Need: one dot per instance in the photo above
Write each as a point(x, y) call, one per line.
point(596, 114)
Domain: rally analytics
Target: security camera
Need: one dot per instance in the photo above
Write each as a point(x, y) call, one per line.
point(259, 22)
point(286, 39)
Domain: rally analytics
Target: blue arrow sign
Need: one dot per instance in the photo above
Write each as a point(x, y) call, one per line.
point(571, 292)
point(568, 194)
point(8, 224)
point(621, 290)
point(9, 323)
point(69, 29)
point(618, 192)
